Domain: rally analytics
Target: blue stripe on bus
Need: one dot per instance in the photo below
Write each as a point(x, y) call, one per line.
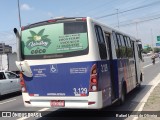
point(67, 78)
point(59, 79)
point(115, 71)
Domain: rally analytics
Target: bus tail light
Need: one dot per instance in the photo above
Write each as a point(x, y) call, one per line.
point(52, 20)
point(22, 28)
point(94, 80)
point(93, 87)
point(22, 83)
point(83, 19)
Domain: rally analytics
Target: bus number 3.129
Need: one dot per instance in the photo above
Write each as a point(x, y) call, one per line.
point(80, 91)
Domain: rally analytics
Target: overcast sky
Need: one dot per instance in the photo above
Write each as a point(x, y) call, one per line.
point(139, 18)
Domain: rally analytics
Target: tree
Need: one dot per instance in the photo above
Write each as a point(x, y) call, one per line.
point(147, 50)
point(156, 50)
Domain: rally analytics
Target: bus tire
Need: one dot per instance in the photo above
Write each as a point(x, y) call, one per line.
point(141, 79)
point(139, 85)
point(123, 94)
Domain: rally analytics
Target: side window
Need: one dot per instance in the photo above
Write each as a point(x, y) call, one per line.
point(11, 75)
point(122, 40)
point(127, 46)
point(139, 52)
point(123, 48)
point(101, 37)
point(119, 40)
point(126, 41)
point(132, 48)
point(116, 45)
point(119, 45)
point(108, 44)
point(129, 43)
point(2, 76)
point(101, 42)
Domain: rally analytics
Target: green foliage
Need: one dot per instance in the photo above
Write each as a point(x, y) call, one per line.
point(156, 50)
point(147, 50)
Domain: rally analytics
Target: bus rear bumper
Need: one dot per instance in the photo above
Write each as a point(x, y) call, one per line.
point(92, 101)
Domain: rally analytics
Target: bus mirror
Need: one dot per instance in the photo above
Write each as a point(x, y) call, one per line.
point(140, 46)
point(18, 43)
point(15, 30)
point(16, 33)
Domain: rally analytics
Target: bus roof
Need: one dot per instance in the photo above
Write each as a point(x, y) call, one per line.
point(64, 19)
point(61, 19)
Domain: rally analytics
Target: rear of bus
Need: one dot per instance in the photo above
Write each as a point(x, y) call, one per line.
point(59, 64)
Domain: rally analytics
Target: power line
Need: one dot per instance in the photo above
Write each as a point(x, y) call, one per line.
point(75, 7)
point(100, 17)
point(95, 8)
point(101, 6)
point(140, 21)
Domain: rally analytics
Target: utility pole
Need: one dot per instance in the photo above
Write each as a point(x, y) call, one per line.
point(152, 40)
point(118, 17)
point(137, 29)
point(19, 14)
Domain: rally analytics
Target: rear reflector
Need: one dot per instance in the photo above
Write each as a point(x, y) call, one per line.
point(22, 83)
point(31, 94)
point(94, 87)
point(90, 103)
point(34, 95)
point(23, 89)
point(83, 95)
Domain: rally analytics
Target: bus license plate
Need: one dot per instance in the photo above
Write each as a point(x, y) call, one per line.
point(57, 103)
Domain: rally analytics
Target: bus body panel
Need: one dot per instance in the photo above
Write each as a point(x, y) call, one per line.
point(72, 77)
point(104, 81)
point(70, 102)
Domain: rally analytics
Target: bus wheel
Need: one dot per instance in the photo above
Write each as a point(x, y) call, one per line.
point(123, 95)
point(141, 79)
point(139, 85)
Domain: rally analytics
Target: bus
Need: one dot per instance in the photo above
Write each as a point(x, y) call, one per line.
point(76, 63)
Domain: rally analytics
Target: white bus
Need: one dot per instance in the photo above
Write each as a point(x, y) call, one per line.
point(76, 63)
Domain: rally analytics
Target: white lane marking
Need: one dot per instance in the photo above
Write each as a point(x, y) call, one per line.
point(150, 65)
point(7, 101)
point(44, 109)
point(154, 83)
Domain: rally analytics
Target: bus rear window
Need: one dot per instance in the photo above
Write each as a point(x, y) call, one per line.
point(74, 27)
point(57, 40)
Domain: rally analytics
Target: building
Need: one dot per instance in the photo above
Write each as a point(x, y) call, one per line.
point(4, 49)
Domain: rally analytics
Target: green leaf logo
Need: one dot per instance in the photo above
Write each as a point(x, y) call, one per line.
point(38, 39)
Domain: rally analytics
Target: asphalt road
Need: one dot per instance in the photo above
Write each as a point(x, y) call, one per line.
point(13, 102)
